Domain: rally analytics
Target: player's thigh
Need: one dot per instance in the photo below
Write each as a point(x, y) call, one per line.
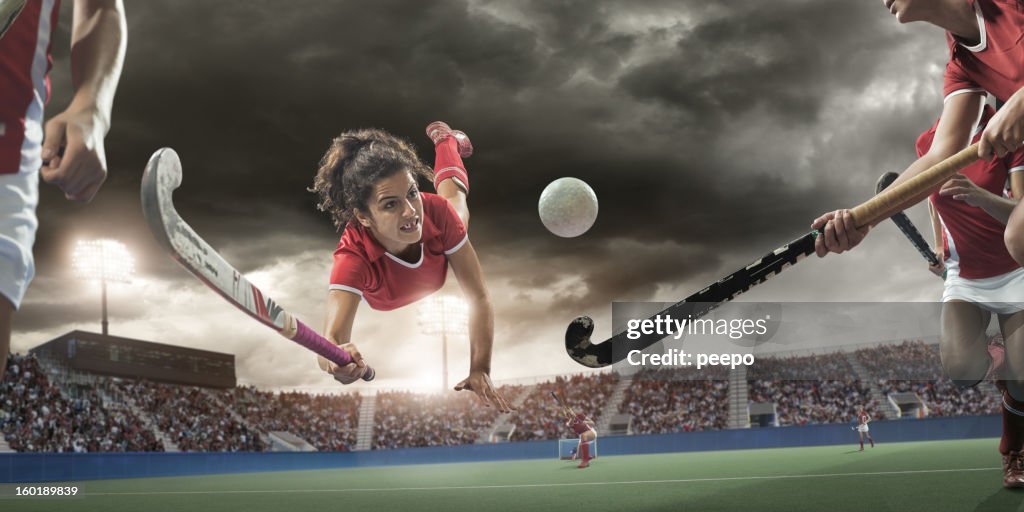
point(1014, 234)
point(588, 436)
point(963, 340)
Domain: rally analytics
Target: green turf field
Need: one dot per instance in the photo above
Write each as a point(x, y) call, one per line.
point(929, 476)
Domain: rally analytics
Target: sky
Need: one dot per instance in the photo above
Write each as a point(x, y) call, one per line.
point(711, 132)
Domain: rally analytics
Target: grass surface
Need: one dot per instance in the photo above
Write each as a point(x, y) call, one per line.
point(930, 476)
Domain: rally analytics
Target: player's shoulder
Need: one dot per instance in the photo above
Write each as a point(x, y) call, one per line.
point(431, 200)
point(434, 206)
point(355, 244)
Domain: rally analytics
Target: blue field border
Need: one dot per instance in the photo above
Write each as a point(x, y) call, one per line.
point(63, 467)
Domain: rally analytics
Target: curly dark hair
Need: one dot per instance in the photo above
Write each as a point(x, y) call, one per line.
point(354, 163)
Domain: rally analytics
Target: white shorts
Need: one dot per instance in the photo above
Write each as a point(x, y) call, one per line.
point(19, 195)
point(1002, 294)
point(862, 429)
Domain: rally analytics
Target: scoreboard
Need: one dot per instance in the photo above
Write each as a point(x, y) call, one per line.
point(136, 359)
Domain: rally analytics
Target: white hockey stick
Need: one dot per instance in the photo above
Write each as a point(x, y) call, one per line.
point(162, 176)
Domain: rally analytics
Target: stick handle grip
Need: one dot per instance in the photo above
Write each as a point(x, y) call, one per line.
point(308, 338)
point(897, 198)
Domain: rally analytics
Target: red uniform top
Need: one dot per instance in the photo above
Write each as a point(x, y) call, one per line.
point(863, 417)
point(972, 240)
point(579, 423)
point(24, 85)
point(996, 63)
point(385, 281)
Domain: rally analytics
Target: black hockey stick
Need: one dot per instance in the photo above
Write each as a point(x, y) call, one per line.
point(903, 222)
point(876, 209)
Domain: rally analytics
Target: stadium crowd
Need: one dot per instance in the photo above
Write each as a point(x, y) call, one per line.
point(804, 402)
point(809, 389)
point(36, 417)
point(328, 422)
point(915, 367)
point(405, 420)
point(192, 418)
point(671, 400)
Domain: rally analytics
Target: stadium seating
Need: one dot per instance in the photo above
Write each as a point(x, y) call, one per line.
point(671, 400)
point(36, 417)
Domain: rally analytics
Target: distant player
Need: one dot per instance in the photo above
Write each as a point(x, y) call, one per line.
point(863, 418)
point(582, 426)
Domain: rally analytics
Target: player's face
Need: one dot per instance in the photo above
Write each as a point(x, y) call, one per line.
point(396, 212)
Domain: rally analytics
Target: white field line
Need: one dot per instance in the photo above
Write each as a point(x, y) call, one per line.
point(527, 486)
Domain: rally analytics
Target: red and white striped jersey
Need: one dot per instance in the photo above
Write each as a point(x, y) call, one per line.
point(25, 62)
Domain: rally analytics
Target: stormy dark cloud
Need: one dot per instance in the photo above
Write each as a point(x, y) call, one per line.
point(711, 132)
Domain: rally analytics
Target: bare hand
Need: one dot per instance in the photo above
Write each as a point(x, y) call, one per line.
point(73, 155)
point(839, 234)
point(1005, 131)
point(480, 383)
point(350, 372)
point(963, 189)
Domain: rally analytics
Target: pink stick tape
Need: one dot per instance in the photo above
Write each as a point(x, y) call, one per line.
point(310, 339)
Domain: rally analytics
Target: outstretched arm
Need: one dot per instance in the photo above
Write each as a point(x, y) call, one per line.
point(466, 266)
point(341, 315)
point(73, 155)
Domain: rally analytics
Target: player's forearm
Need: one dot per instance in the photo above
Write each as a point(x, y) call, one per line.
point(98, 41)
point(936, 227)
point(997, 207)
point(481, 334)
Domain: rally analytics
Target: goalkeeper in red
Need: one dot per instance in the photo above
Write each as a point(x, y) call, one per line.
point(582, 426)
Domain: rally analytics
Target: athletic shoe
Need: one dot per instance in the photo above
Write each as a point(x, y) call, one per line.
point(439, 131)
point(997, 353)
point(1013, 471)
point(584, 465)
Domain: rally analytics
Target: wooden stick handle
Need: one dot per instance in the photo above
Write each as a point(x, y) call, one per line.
point(896, 199)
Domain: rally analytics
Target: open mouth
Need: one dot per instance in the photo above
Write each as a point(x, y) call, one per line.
point(411, 226)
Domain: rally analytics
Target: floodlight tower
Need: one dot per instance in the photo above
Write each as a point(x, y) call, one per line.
point(444, 315)
point(104, 261)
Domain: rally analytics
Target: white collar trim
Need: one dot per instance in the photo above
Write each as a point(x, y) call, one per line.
point(982, 39)
point(406, 263)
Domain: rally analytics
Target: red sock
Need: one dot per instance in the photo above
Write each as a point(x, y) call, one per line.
point(448, 163)
point(1013, 425)
point(586, 452)
point(861, 444)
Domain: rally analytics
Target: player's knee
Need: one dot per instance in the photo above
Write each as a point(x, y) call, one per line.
point(965, 374)
point(963, 366)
